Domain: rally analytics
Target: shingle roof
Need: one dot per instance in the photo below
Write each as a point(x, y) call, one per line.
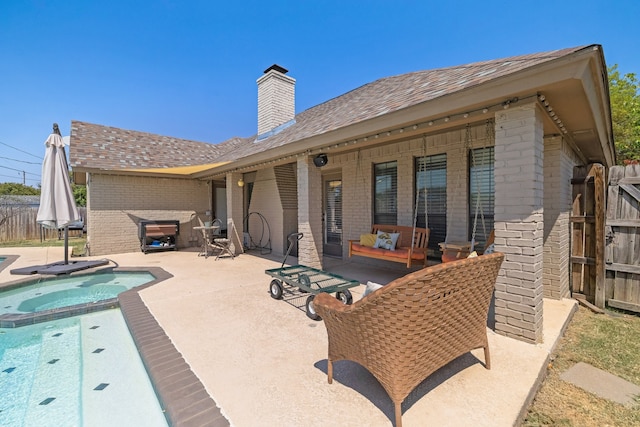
point(109, 148)
point(92, 145)
point(394, 93)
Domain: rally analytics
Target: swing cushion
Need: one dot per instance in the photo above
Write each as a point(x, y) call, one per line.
point(386, 240)
point(368, 239)
point(404, 251)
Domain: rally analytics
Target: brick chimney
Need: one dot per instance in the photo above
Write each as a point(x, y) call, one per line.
point(276, 101)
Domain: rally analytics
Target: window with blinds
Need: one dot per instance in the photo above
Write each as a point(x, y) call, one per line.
point(385, 205)
point(481, 194)
point(431, 185)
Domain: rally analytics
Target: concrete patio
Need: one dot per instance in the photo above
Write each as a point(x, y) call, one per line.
point(264, 362)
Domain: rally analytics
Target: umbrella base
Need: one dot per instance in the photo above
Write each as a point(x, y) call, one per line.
point(60, 267)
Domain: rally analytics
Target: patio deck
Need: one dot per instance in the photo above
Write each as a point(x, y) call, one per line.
point(264, 362)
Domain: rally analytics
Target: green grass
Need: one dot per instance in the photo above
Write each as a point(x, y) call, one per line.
point(610, 342)
point(76, 243)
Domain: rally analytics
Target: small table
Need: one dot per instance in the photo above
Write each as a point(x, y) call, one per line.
point(207, 231)
point(457, 250)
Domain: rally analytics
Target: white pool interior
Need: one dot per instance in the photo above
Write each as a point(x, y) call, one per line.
point(78, 371)
point(47, 294)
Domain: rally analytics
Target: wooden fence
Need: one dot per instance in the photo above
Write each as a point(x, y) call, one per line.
point(622, 231)
point(22, 225)
point(587, 234)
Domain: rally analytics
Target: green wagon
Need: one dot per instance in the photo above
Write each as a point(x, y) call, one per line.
point(309, 280)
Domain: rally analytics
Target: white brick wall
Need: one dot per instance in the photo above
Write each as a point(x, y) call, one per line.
point(309, 212)
point(519, 222)
point(235, 211)
point(276, 100)
point(117, 203)
point(559, 160)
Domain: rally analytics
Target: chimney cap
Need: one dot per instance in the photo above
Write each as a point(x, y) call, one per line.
point(277, 68)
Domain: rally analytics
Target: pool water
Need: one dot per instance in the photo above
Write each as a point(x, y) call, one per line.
point(69, 290)
point(78, 371)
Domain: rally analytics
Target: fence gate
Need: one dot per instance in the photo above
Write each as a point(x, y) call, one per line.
point(587, 233)
point(622, 253)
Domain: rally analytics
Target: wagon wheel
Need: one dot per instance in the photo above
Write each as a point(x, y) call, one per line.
point(304, 280)
point(275, 289)
point(345, 296)
point(311, 311)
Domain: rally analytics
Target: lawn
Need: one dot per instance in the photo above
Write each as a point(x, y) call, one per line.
point(608, 341)
point(76, 243)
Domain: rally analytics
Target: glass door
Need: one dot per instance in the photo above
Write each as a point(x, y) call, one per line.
point(332, 216)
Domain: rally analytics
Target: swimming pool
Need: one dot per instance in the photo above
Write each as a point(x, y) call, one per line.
point(31, 301)
point(66, 291)
point(82, 370)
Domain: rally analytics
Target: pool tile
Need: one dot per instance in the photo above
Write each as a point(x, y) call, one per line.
point(101, 386)
point(98, 350)
point(9, 370)
point(52, 361)
point(94, 327)
point(47, 400)
point(57, 335)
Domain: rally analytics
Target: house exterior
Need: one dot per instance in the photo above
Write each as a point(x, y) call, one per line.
point(483, 146)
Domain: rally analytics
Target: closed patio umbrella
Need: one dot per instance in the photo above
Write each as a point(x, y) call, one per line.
point(57, 204)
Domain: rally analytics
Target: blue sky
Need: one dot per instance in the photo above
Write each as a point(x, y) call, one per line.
point(188, 69)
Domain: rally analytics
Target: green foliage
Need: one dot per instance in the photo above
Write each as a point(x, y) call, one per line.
point(15, 189)
point(624, 92)
point(79, 194)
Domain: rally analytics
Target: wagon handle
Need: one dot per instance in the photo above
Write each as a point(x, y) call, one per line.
point(292, 239)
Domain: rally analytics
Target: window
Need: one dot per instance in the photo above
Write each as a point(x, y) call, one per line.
point(385, 205)
point(431, 185)
point(481, 193)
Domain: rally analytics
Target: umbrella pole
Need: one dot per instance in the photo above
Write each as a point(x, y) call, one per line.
point(66, 244)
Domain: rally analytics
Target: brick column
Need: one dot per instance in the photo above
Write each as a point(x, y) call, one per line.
point(309, 213)
point(558, 171)
point(519, 223)
point(235, 211)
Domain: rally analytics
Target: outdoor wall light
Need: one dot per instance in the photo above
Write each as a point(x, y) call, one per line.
point(320, 160)
point(240, 183)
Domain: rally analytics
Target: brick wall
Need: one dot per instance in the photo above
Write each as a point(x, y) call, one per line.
point(276, 100)
point(559, 160)
point(357, 174)
point(519, 225)
point(235, 211)
point(309, 212)
point(115, 205)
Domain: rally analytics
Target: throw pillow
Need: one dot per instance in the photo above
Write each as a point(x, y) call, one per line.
point(368, 239)
point(490, 249)
point(386, 240)
point(473, 254)
point(371, 286)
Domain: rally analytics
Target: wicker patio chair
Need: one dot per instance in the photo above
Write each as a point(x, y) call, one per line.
point(409, 328)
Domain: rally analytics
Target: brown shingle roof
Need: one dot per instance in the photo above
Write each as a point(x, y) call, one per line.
point(394, 93)
point(109, 148)
point(136, 149)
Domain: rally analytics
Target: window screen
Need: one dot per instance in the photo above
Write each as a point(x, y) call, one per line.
point(431, 185)
point(481, 194)
point(385, 205)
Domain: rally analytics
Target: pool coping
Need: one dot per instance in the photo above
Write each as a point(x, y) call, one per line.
point(184, 398)
point(8, 260)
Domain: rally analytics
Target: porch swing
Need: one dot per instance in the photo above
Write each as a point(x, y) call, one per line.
point(452, 251)
point(406, 243)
